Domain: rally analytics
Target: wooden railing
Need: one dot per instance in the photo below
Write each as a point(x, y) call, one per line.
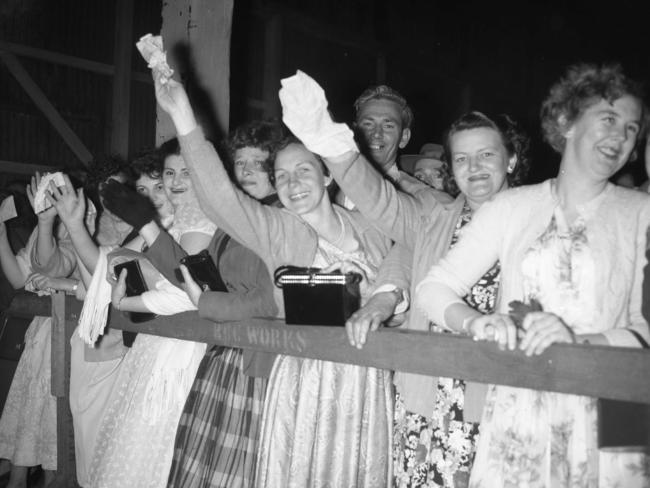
point(597, 371)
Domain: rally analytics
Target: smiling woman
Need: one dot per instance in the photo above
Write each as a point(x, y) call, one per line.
point(575, 245)
point(249, 147)
point(330, 422)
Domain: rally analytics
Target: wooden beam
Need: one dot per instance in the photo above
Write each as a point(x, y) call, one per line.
point(196, 36)
point(25, 168)
point(123, 48)
point(67, 60)
point(64, 319)
point(45, 106)
point(598, 371)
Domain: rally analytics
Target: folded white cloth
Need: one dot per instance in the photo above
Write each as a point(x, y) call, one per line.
point(7, 209)
point(304, 111)
point(174, 369)
point(151, 49)
point(94, 313)
point(40, 201)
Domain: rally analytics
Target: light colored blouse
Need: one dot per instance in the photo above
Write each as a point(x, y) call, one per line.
point(505, 228)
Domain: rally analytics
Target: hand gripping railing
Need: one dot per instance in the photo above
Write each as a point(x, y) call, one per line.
point(597, 371)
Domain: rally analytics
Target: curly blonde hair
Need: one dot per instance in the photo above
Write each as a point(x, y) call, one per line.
point(582, 86)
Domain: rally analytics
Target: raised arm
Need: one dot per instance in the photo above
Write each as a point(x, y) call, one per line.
point(304, 110)
point(71, 207)
point(244, 218)
point(45, 248)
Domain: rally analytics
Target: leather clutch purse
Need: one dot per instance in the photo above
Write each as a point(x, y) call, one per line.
point(315, 298)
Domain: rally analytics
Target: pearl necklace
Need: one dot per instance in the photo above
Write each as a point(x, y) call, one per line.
point(341, 236)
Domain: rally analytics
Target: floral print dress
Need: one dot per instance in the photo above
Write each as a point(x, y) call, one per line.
point(535, 438)
point(438, 451)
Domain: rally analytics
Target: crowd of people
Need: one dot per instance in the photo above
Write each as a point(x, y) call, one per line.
point(446, 247)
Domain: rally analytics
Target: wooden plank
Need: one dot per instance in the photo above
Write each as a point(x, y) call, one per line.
point(196, 35)
point(64, 320)
point(123, 48)
point(607, 372)
point(25, 168)
point(45, 106)
point(67, 60)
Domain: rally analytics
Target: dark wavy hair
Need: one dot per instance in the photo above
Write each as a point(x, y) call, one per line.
point(514, 139)
point(383, 92)
point(170, 147)
point(148, 162)
point(101, 169)
point(582, 86)
point(264, 134)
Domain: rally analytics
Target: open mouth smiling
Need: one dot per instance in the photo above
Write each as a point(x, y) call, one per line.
point(298, 196)
point(480, 177)
point(609, 152)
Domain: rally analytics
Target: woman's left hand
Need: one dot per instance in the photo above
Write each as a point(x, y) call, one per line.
point(541, 329)
point(69, 204)
point(118, 290)
point(191, 287)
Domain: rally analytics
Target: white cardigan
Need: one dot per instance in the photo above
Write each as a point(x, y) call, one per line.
point(505, 228)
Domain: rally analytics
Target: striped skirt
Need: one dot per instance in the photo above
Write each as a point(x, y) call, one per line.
point(216, 441)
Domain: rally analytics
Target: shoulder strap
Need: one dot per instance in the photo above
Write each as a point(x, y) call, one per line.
point(222, 248)
point(639, 337)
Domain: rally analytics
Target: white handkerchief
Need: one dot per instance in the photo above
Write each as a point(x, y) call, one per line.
point(40, 202)
point(305, 112)
point(151, 48)
point(7, 209)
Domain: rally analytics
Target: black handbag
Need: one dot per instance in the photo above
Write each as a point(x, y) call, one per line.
point(623, 424)
point(315, 298)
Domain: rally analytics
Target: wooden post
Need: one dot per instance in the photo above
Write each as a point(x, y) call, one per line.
point(196, 36)
point(62, 329)
point(272, 65)
point(120, 112)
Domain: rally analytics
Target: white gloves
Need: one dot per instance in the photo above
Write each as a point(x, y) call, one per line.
point(304, 111)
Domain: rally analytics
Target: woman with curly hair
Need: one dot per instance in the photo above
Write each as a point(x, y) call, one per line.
point(573, 249)
point(435, 436)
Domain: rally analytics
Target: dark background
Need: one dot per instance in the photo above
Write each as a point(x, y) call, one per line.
point(445, 57)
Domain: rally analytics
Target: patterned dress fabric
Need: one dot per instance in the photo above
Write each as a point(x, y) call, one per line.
point(135, 444)
point(542, 439)
point(438, 451)
point(28, 422)
point(216, 442)
point(326, 424)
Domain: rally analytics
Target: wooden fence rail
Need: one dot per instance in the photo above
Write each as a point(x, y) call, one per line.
point(605, 372)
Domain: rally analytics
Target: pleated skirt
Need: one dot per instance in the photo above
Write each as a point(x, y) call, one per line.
point(217, 437)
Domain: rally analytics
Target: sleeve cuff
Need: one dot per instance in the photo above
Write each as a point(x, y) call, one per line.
point(403, 304)
point(623, 338)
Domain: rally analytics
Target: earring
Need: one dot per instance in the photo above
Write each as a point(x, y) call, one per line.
point(511, 168)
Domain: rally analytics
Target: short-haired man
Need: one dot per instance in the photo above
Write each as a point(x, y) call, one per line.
point(383, 121)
